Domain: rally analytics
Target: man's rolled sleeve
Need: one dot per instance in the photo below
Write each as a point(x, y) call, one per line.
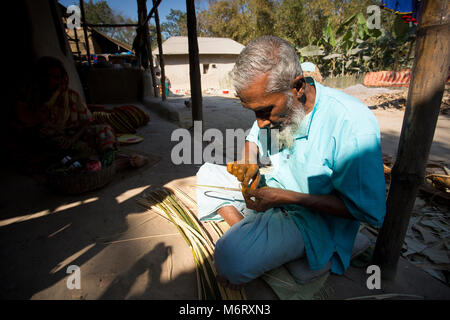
point(358, 176)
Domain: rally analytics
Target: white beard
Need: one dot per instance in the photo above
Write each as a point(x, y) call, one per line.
point(295, 117)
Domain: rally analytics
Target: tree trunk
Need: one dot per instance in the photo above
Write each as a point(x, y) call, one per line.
point(422, 110)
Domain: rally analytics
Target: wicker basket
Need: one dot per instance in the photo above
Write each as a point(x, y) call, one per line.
point(81, 182)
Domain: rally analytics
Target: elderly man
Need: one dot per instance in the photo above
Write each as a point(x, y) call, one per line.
point(327, 173)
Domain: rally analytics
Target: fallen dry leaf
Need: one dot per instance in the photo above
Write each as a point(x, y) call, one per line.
point(426, 235)
point(438, 255)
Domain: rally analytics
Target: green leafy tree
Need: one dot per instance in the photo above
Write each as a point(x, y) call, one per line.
point(263, 12)
point(331, 33)
point(289, 23)
point(229, 19)
point(354, 48)
point(176, 24)
point(100, 12)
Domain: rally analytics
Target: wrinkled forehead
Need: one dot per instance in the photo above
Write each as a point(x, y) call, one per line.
point(255, 89)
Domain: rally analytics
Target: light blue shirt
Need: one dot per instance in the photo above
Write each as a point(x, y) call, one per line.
point(336, 150)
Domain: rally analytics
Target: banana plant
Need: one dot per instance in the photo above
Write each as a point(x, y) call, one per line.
point(353, 47)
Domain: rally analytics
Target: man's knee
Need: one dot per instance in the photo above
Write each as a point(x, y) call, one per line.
point(232, 261)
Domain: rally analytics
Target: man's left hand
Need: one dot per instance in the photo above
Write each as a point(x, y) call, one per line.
point(263, 199)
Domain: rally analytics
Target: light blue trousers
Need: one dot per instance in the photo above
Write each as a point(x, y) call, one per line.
point(258, 243)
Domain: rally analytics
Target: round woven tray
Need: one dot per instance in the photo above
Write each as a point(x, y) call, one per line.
point(81, 182)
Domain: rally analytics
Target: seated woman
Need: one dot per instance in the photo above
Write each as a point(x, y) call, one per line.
point(60, 121)
point(310, 70)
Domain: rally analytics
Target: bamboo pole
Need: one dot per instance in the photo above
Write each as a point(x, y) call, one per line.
point(161, 58)
point(77, 42)
point(152, 68)
point(194, 62)
point(142, 10)
point(422, 110)
point(152, 11)
point(86, 39)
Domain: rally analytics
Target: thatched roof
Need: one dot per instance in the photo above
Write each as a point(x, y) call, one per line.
point(98, 42)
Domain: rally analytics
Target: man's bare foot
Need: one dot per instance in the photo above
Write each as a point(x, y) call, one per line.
point(227, 284)
point(230, 214)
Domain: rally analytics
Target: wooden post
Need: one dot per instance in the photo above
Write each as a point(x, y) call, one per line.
point(422, 110)
point(152, 11)
point(142, 11)
point(152, 68)
point(86, 39)
point(194, 63)
point(161, 58)
point(77, 42)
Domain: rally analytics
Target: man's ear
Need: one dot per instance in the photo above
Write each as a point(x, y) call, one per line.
point(298, 85)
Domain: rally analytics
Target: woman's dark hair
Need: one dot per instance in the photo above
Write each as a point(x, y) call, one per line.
point(46, 63)
point(37, 90)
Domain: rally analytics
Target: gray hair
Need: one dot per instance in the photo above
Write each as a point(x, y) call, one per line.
point(267, 54)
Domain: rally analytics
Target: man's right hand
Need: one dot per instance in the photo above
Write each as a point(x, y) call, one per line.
point(245, 172)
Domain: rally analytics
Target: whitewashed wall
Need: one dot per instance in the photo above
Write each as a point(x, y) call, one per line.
point(177, 70)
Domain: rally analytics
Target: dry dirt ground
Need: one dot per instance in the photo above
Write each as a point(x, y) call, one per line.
point(127, 252)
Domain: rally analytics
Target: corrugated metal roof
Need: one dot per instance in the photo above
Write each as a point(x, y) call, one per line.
point(179, 45)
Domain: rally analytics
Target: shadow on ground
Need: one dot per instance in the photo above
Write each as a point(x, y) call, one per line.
point(42, 233)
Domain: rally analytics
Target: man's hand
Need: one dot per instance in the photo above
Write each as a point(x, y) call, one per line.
point(247, 168)
point(264, 198)
point(245, 172)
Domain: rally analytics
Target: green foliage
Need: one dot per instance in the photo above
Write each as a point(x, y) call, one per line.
point(333, 34)
point(100, 12)
point(264, 18)
point(176, 24)
point(229, 19)
point(354, 48)
point(289, 15)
